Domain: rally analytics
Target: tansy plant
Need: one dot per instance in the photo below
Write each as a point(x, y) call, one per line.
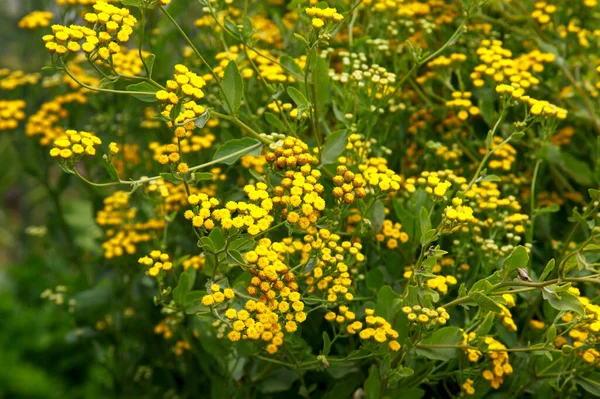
point(363, 198)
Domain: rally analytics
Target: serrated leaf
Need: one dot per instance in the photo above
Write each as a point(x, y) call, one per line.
point(229, 152)
point(233, 88)
point(143, 91)
point(335, 144)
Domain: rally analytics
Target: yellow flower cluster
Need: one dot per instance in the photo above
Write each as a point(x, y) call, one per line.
point(462, 103)
point(36, 19)
point(255, 162)
point(458, 212)
point(10, 80)
point(334, 260)
point(320, 16)
point(277, 298)
point(504, 157)
point(583, 330)
point(348, 185)
point(498, 63)
point(74, 144)
point(380, 179)
point(468, 386)
point(507, 318)
point(111, 25)
point(298, 193)
point(123, 233)
point(11, 112)
point(377, 328)
point(279, 107)
point(128, 62)
point(45, 121)
point(444, 62)
point(217, 297)
point(239, 215)
point(185, 86)
point(500, 365)
point(195, 262)
point(190, 144)
point(391, 233)
point(441, 283)
point(156, 262)
point(429, 318)
point(543, 11)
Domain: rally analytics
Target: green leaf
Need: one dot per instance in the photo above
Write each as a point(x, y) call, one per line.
point(442, 336)
point(233, 88)
point(373, 384)
point(232, 150)
point(326, 344)
point(548, 209)
point(290, 64)
point(485, 303)
point(201, 176)
point(562, 300)
point(335, 144)
point(518, 258)
point(216, 236)
point(428, 236)
point(236, 256)
point(201, 121)
point(491, 178)
point(144, 91)
point(207, 244)
point(182, 289)
point(375, 278)
point(388, 302)
point(170, 178)
point(377, 215)
point(590, 382)
point(424, 220)
point(274, 121)
point(132, 3)
point(302, 39)
point(150, 63)
point(486, 325)
point(297, 96)
point(548, 269)
point(193, 302)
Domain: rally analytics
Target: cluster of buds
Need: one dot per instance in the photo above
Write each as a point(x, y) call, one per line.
point(348, 185)
point(428, 317)
point(156, 262)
